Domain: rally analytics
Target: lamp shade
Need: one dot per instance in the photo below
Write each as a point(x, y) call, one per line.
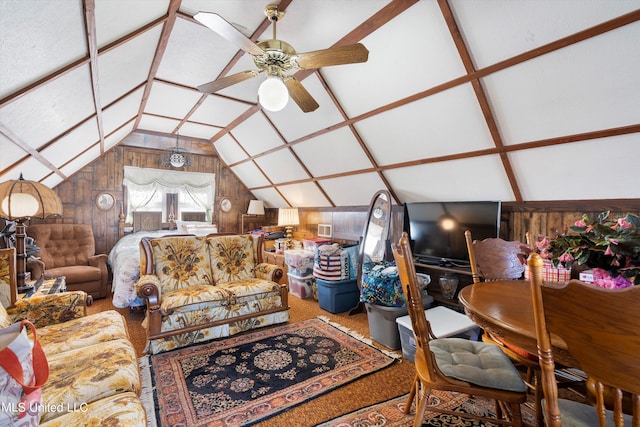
point(21, 199)
point(288, 216)
point(256, 207)
point(273, 94)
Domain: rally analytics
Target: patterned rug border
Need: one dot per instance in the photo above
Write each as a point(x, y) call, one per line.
point(148, 384)
point(390, 412)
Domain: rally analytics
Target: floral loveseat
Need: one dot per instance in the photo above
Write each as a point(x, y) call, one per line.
point(94, 377)
point(199, 288)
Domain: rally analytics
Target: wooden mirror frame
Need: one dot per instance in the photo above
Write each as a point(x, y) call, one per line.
point(379, 207)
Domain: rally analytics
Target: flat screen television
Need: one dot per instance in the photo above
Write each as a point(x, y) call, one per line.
point(436, 229)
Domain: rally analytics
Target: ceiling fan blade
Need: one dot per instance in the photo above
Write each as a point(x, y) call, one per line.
point(333, 56)
point(218, 24)
point(227, 81)
point(300, 95)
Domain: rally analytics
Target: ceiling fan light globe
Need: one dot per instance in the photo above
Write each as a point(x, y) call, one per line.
point(273, 94)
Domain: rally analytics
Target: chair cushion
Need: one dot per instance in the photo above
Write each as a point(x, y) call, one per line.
point(76, 273)
point(579, 414)
point(196, 297)
point(232, 258)
point(181, 262)
point(476, 362)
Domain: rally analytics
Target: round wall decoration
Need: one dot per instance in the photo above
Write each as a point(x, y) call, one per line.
point(105, 201)
point(225, 205)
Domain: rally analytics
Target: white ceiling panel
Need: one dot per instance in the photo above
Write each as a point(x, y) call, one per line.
point(581, 88)
point(81, 161)
point(414, 61)
point(11, 153)
point(281, 166)
point(31, 169)
point(497, 30)
point(171, 101)
point(476, 178)
point(332, 153)
point(117, 18)
point(250, 175)
point(600, 169)
point(314, 25)
point(122, 111)
point(55, 107)
point(194, 63)
point(52, 180)
point(248, 89)
point(229, 150)
point(72, 144)
point(352, 190)
point(270, 197)
point(304, 195)
point(158, 123)
point(134, 56)
point(218, 111)
point(256, 135)
point(293, 123)
point(30, 34)
point(117, 136)
point(197, 130)
point(442, 124)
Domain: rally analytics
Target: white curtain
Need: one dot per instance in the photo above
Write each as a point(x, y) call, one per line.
point(143, 183)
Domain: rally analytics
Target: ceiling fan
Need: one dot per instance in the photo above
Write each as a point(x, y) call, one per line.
point(277, 59)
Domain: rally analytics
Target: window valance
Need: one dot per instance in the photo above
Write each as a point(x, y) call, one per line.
point(143, 183)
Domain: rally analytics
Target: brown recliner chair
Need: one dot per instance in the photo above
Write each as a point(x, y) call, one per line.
point(69, 250)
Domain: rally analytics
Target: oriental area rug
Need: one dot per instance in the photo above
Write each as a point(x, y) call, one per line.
point(247, 378)
point(391, 412)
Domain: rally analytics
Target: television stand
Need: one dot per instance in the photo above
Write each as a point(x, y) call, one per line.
point(435, 271)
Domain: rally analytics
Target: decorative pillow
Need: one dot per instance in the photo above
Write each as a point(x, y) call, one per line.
point(232, 258)
point(381, 284)
point(180, 262)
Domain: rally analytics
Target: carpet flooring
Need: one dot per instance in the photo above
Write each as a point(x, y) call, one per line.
point(391, 412)
point(246, 378)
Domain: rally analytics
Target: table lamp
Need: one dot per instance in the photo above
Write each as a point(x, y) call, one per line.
point(21, 200)
point(288, 217)
point(256, 207)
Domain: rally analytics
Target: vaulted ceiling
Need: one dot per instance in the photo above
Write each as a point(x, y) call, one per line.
point(508, 100)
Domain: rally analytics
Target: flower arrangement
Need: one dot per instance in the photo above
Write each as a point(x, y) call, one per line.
point(609, 246)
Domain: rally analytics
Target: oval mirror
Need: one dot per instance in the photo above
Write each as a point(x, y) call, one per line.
point(375, 234)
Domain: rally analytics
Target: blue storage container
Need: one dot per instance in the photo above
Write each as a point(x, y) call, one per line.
point(338, 296)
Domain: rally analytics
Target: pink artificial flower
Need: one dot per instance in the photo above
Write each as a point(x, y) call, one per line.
point(544, 253)
point(608, 251)
point(542, 244)
point(580, 223)
point(565, 257)
point(623, 223)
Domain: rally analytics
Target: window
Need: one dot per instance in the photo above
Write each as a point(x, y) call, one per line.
point(166, 191)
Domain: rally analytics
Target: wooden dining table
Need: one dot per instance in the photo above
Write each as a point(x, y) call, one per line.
point(505, 309)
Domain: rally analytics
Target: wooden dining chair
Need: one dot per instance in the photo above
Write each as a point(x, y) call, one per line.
point(498, 259)
point(455, 364)
point(601, 328)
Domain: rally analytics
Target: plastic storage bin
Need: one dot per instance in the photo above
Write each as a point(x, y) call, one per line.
point(314, 243)
point(299, 262)
point(382, 322)
point(301, 286)
point(445, 323)
point(338, 296)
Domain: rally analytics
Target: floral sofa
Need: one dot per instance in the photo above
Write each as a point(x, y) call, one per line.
point(94, 377)
point(199, 288)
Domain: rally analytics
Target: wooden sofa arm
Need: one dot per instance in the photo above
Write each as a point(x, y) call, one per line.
point(148, 287)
